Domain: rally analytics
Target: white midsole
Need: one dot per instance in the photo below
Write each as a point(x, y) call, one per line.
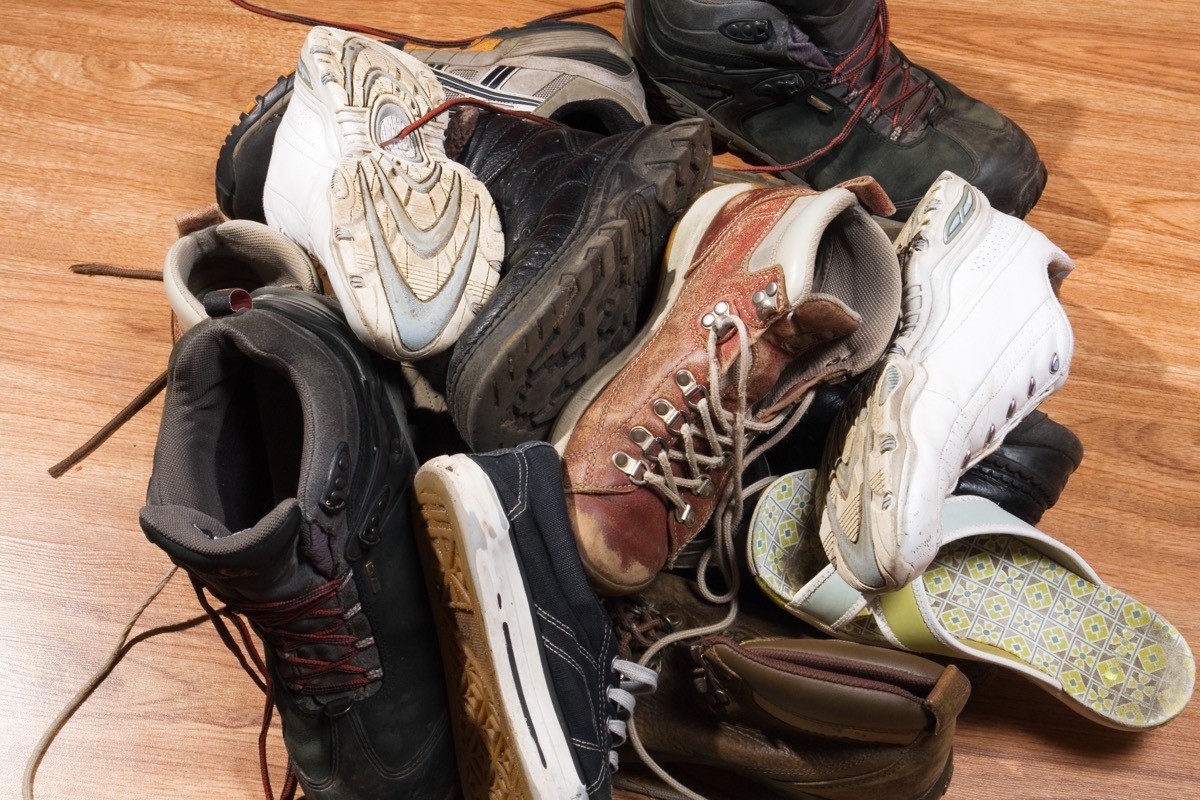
point(502, 603)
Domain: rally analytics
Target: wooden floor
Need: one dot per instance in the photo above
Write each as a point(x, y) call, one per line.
point(112, 114)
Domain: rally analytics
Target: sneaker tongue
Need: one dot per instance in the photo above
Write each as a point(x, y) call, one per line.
point(257, 563)
point(835, 26)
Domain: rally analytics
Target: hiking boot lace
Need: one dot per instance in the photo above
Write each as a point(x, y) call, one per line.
point(276, 621)
point(866, 71)
point(727, 435)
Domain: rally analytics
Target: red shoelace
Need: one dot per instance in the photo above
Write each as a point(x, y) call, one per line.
point(875, 50)
point(275, 621)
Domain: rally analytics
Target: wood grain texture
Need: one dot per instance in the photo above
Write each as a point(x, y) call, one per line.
point(113, 112)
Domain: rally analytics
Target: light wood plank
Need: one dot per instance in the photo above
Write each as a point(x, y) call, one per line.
point(113, 112)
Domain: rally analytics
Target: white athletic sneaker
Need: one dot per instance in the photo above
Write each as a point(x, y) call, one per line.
point(982, 341)
point(410, 239)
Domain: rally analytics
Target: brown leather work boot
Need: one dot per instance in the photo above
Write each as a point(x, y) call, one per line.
point(766, 293)
point(753, 713)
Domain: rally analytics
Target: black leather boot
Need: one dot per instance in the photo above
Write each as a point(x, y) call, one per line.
point(818, 81)
point(586, 220)
point(281, 485)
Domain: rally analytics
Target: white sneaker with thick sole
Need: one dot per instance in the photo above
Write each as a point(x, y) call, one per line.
point(983, 340)
point(411, 240)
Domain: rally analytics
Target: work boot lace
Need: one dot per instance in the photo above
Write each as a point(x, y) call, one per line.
point(285, 626)
point(637, 624)
point(879, 81)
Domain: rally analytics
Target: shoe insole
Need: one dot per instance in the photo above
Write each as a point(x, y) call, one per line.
point(1109, 652)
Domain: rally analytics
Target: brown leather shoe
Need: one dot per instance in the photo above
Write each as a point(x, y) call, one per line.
point(767, 292)
point(753, 713)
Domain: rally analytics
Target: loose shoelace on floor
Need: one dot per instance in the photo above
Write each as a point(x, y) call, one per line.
point(407, 38)
point(138, 403)
point(123, 646)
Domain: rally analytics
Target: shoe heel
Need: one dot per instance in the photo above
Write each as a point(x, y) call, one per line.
point(678, 163)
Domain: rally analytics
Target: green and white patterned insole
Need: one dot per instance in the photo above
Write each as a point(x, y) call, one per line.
point(999, 596)
point(1107, 651)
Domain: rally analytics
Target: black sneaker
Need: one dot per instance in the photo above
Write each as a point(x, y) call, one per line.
point(818, 82)
point(541, 696)
point(571, 72)
point(586, 219)
point(281, 485)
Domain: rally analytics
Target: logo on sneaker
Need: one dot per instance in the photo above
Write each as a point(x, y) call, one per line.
point(420, 322)
point(960, 215)
point(487, 89)
point(390, 119)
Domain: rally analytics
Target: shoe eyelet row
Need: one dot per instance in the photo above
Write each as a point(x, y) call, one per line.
point(1055, 366)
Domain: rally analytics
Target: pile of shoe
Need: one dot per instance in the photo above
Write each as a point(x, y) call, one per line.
point(487, 259)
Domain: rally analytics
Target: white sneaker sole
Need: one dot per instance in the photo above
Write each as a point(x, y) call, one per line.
point(508, 735)
point(411, 240)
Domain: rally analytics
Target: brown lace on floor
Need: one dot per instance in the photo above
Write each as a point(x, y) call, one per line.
point(137, 403)
point(369, 30)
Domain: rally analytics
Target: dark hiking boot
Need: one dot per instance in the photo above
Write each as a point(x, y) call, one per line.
point(570, 72)
point(586, 220)
point(540, 696)
point(818, 82)
point(758, 712)
point(281, 485)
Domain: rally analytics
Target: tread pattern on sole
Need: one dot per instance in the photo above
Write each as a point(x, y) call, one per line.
point(487, 760)
point(1109, 652)
point(514, 395)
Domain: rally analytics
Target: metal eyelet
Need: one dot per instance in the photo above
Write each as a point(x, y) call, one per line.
point(633, 467)
point(671, 416)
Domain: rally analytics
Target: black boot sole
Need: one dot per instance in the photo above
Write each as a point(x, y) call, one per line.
point(587, 303)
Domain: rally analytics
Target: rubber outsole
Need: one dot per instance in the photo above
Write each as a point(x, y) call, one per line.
point(485, 742)
point(583, 308)
point(264, 112)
